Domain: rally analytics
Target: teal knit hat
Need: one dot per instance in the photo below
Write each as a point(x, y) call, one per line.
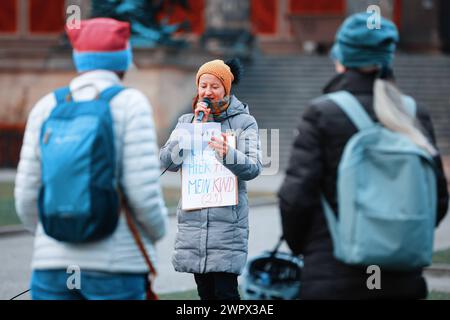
point(357, 45)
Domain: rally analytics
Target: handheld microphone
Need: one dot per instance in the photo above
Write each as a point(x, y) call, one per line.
point(200, 114)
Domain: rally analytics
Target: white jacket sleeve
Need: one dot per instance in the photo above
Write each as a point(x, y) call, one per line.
point(171, 154)
point(141, 169)
point(28, 178)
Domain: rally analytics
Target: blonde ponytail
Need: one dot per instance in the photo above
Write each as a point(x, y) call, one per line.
point(389, 109)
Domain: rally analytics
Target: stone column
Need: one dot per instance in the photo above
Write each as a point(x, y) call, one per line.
point(227, 26)
point(419, 25)
point(227, 15)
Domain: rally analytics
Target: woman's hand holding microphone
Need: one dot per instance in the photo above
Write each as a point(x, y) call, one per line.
point(201, 107)
point(218, 144)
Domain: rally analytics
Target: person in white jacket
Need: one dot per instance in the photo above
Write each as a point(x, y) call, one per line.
point(113, 267)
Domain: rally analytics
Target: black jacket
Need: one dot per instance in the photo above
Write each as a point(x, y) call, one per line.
point(323, 132)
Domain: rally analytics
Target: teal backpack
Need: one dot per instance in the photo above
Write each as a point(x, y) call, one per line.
point(78, 199)
point(386, 191)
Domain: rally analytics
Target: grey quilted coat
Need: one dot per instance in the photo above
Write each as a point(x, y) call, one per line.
point(216, 239)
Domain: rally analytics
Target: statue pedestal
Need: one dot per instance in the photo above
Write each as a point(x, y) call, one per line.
point(227, 30)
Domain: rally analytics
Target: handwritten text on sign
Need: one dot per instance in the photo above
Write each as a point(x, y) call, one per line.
point(205, 181)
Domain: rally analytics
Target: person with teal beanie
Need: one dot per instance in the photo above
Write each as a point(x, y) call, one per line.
point(363, 57)
point(360, 45)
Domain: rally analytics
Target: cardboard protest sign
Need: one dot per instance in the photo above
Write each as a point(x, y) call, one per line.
point(205, 181)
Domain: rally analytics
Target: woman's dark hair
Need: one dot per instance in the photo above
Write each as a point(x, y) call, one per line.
point(236, 69)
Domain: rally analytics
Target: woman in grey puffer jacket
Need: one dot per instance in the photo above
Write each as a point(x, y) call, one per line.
point(211, 243)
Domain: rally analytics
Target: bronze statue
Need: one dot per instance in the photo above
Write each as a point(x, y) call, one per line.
point(147, 31)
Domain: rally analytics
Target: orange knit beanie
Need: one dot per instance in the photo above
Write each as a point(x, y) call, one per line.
point(219, 69)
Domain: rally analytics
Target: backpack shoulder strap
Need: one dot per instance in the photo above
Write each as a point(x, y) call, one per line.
point(61, 94)
point(410, 105)
point(110, 93)
point(151, 295)
point(352, 108)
